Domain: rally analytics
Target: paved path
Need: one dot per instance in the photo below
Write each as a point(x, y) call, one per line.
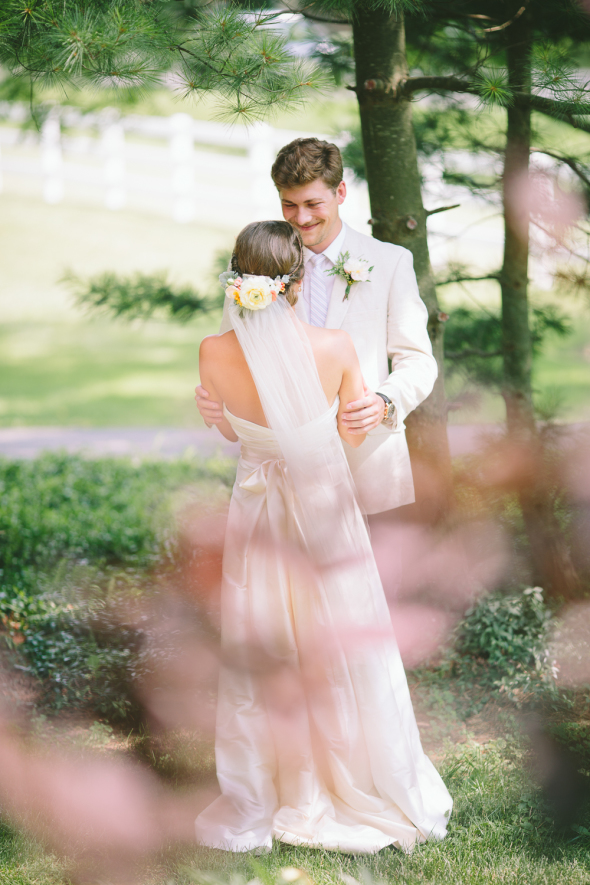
point(28, 442)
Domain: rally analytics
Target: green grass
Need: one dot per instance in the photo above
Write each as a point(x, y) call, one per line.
point(108, 523)
point(59, 366)
point(563, 372)
point(100, 373)
point(500, 832)
point(39, 242)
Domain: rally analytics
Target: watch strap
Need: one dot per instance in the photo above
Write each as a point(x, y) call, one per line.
point(389, 410)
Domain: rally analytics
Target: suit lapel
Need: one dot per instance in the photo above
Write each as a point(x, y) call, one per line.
point(338, 303)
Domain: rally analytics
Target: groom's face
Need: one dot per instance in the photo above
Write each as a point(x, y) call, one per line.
point(313, 210)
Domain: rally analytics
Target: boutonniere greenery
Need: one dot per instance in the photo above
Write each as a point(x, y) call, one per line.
point(353, 270)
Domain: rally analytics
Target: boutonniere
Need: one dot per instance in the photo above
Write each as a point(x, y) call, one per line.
point(353, 270)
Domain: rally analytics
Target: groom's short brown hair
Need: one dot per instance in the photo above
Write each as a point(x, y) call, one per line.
point(305, 160)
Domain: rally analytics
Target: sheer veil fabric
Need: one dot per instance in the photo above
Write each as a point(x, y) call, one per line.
point(316, 739)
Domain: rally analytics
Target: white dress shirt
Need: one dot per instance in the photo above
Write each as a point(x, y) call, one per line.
point(330, 254)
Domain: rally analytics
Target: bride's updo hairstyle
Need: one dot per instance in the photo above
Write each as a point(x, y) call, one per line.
point(270, 249)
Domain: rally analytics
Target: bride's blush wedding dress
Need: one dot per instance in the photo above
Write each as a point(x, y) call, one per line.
point(316, 739)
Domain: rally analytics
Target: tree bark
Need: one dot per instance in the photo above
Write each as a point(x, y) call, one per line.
point(398, 215)
point(552, 566)
point(516, 335)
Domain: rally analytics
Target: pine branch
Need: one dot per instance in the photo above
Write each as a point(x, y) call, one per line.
point(125, 43)
point(430, 212)
point(139, 296)
point(436, 84)
point(558, 110)
point(304, 11)
point(471, 351)
point(536, 223)
point(510, 21)
point(460, 278)
point(569, 161)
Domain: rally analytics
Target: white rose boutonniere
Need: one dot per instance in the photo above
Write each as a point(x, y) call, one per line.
point(353, 270)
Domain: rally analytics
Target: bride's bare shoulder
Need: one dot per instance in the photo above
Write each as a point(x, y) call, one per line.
point(213, 346)
point(333, 342)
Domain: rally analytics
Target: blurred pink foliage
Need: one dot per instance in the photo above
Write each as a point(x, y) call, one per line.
point(539, 195)
point(109, 816)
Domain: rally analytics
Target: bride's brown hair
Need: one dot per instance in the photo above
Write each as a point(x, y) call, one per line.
point(271, 249)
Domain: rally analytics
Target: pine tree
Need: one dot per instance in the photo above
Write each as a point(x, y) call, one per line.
point(506, 54)
point(130, 44)
point(479, 48)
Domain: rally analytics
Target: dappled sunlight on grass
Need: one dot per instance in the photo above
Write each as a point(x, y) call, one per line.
point(101, 373)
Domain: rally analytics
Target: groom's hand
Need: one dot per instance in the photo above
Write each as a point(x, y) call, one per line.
point(211, 412)
point(364, 414)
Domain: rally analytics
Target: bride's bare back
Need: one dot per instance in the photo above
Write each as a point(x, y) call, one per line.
point(225, 374)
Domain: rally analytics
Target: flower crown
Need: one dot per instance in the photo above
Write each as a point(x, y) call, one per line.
point(251, 291)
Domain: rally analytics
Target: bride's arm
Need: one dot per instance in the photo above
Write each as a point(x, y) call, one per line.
point(208, 368)
point(351, 386)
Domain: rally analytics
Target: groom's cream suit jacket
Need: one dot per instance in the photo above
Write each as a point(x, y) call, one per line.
point(385, 318)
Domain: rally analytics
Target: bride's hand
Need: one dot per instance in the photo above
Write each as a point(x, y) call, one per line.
point(363, 414)
point(211, 412)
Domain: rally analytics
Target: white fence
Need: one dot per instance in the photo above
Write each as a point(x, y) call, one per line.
point(191, 170)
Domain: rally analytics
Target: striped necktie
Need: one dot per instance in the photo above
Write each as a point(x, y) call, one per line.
point(318, 291)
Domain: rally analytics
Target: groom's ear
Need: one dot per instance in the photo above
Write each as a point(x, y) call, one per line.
point(341, 192)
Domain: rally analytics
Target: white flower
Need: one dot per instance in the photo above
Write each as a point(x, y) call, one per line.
point(358, 269)
point(256, 292)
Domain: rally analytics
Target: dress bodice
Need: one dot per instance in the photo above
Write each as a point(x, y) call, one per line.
point(260, 442)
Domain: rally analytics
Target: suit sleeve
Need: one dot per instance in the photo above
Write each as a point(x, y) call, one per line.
point(414, 368)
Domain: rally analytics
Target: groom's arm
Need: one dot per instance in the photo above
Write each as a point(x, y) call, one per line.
point(414, 368)
point(211, 411)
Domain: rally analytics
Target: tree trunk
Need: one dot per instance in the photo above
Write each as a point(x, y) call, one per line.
point(552, 566)
point(516, 335)
point(398, 214)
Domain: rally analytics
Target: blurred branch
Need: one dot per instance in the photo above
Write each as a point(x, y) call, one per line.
point(304, 11)
point(550, 233)
point(460, 278)
point(471, 351)
point(569, 161)
point(567, 111)
point(437, 84)
point(557, 110)
point(139, 296)
point(442, 209)
point(510, 21)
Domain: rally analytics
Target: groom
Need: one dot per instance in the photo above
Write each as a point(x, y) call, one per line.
point(385, 317)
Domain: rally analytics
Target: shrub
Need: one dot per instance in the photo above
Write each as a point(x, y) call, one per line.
point(105, 510)
point(574, 737)
point(78, 541)
point(76, 641)
point(509, 636)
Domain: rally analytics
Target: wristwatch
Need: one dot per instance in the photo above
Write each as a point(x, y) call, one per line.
point(389, 409)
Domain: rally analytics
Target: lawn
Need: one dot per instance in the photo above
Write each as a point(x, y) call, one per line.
point(60, 367)
point(500, 831)
point(85, 539)
point(100, 374)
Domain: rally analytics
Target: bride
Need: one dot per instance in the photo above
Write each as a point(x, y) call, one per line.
point(316, 741)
